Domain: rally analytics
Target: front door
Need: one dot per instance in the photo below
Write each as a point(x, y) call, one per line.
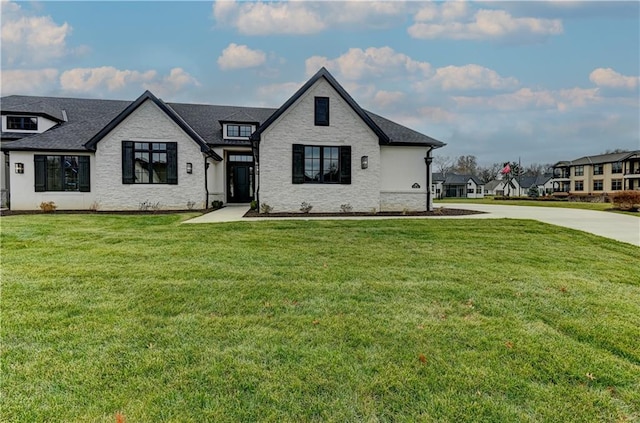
point(240, 179)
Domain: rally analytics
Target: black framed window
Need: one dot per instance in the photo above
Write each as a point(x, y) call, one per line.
point(616, 184)
point(239, 131)
point(321, 111)
point(149, 162)
point(62, 173)
point(24, 123)
point(598, 185)
point(579, 185)
point(616, 167)
point(321, 164)
point(598, 169)
point(579, 171)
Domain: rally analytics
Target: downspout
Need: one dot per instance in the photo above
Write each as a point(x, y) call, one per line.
point(256, 172)
point(206, 183)
point(428, 160)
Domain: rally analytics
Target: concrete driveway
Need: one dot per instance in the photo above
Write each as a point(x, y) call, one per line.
point(609, 225)
point(616, 226)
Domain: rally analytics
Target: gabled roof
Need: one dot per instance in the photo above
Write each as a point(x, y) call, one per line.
point(456, 179)
point(147, 95)
point(89, 120)
point(599, 159)
point(323, 73)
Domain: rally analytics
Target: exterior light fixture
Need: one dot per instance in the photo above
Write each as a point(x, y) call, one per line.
point(189, 168)
point(364, 162)
point(19, 167)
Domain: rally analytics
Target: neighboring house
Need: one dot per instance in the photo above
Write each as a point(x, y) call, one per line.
point(451, 185)
point(601, 174)
point(501, 187)
point(319, 147)
point(542, 183)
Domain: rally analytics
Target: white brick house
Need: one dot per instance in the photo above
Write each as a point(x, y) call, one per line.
point(320, 147)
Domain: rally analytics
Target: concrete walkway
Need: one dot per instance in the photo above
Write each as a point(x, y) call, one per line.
point(615, 226)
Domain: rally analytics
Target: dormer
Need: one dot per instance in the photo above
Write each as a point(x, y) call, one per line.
point(237, 130)
point(26, 123)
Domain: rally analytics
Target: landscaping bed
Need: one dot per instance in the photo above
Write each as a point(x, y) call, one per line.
point(437, 212)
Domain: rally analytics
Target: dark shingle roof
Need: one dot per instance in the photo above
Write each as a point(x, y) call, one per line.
point(87, 118)
point(455, 179)
point(598, 159)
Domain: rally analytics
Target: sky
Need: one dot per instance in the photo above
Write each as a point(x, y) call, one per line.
point(536, 81)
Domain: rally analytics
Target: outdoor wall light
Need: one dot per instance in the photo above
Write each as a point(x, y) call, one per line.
point(364, 162)
point(19, 167)
point(189, 168)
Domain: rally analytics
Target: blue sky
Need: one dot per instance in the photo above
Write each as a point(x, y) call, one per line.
point(543, 81)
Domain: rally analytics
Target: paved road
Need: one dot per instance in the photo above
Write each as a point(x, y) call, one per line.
point(616, 226)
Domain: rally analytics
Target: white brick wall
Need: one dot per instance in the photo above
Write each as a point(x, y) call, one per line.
point(296, 126)
point(147, 124)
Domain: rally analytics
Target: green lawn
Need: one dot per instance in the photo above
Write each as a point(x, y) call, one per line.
point(396, 320)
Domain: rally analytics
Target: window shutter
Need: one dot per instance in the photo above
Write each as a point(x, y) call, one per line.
point(41, 172)
point(84, 174)
point(172, 163)
point(298, 164)
point(345, 164)
point(127, 162)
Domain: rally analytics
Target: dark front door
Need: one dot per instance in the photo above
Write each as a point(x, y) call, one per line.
point(239, 182)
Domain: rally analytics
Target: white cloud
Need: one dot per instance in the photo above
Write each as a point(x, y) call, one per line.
point(25, 82)
point(611, 79)
point(467, 77)
point(357, 63)
point(240, 56)
point(96, 79)
point(528, 99)
point(31, 39)
point(300, 17)
point(450, 20)
point(436, 114)
point(176, 81)
point(274, 95)
point(385, 99)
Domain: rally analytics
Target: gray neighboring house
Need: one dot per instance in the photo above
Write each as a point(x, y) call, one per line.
point(451, 185)
point(319, 147)
point(542, 183)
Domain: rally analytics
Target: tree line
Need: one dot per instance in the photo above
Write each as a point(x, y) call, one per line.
point(468, 165)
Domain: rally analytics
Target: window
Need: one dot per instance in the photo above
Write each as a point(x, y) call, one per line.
point(470, 191)
point(616, 185)
point(578, 186)
point(321, 165)
point(239, 131)
point(598, 185)
point(149, 162)
point(616, 167)
point(62, 173)
point(322, 111)
point(598, 169)
point(24, 123)
point(579, 171)
point(240, 158)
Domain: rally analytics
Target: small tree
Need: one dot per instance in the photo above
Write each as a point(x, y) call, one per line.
point(533, 192)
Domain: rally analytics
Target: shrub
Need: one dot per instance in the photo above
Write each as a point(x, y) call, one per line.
point(48, 206)
point(191, 205)
point(346, 208)
point(216, 204)
point(254, 205)
point(627, 200)
point(533, 192)
point(305, 207)
point(265, 208)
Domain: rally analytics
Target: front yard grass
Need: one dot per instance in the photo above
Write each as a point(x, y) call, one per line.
point(385, 320)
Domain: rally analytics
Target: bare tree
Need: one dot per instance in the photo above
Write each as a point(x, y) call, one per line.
point(467, 165)
point(489, 173)
point(443, 164)
point(615, 150)
point(536, 169)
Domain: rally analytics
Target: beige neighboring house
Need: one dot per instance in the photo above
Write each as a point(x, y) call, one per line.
point(601, 174)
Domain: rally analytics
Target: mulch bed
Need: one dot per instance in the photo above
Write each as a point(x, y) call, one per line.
point(437, 212)
point(129, 212)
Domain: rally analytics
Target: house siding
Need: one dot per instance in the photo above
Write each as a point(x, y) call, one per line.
point(147, 124)
point(24, 197)
point(397, 192)
point(296, 126)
